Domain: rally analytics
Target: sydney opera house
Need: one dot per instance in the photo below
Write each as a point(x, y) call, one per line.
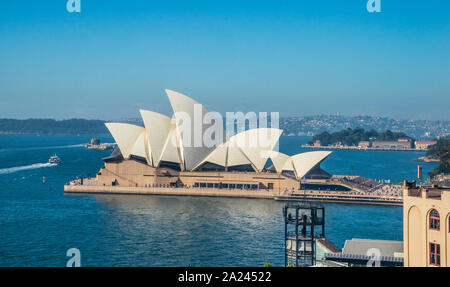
point(161, 154)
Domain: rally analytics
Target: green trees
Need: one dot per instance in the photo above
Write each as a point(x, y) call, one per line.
point(352, 137)
point(440, 150)
point(50, 126)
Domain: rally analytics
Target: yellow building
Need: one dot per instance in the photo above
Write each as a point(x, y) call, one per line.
point(426, 226)
point(423, 145)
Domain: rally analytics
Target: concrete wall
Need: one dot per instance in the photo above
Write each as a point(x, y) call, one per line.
point(168, 191)
point(133, 173)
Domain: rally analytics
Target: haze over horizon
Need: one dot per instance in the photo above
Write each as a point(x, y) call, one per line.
point(298, 58)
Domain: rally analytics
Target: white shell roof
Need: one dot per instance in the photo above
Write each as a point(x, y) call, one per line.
point(193, 149)
point(288, 165)
point(248, 147)
point(304, 162)
point(217, 156)
point(158, 127)
point(256, 144)
point(126, 137)
point(171, 147)
point(279, 161)
point(236, 157)
point(226, 154)
point(162, 140)
point(141, 148)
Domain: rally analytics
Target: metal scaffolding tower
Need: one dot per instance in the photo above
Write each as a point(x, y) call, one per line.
point(300, 222)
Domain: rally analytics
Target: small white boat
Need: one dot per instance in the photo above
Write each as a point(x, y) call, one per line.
point(54, 159)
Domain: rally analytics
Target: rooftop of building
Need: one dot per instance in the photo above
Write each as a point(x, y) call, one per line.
point(364, 252)
point(427, 191)
point(358, 246)
point(425, 142)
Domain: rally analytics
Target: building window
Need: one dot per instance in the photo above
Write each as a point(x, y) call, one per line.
point(434, 220)
point(435, 254)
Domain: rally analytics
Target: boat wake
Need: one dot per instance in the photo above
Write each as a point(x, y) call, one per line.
point(25, 167)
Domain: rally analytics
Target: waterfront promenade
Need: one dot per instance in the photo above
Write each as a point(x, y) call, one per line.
point(356, 197)
point(168, 191)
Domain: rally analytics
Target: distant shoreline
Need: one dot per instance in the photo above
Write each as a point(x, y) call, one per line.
point(360, 149)
point(53, 134)
point(426, 159)
point(51, 126)
point(291, 125)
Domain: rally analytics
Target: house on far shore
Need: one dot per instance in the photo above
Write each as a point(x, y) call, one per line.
point(423, 145)
point(402, 143)
point(364, 144)
point(404, 140)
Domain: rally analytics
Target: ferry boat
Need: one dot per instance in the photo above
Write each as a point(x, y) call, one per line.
point(54, 159)
point(95, 144)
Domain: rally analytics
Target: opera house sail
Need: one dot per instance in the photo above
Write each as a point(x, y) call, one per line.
point(166, 152)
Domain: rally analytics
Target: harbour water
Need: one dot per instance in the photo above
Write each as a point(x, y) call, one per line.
point(39, 223)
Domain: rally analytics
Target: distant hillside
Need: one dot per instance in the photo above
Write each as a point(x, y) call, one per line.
point(50, 126)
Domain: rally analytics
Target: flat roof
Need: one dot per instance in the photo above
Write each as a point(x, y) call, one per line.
point(357, 246)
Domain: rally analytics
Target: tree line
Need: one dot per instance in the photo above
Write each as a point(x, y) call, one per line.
point(351, 137)
point(440, 150)
point(51, 126)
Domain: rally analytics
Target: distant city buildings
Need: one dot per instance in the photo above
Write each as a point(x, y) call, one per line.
point(311, 125)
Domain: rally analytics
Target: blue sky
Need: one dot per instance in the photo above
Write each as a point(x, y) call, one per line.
point(294, 57)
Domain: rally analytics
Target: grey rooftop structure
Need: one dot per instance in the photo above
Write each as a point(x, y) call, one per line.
point(358, 246)
point(360, 252)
